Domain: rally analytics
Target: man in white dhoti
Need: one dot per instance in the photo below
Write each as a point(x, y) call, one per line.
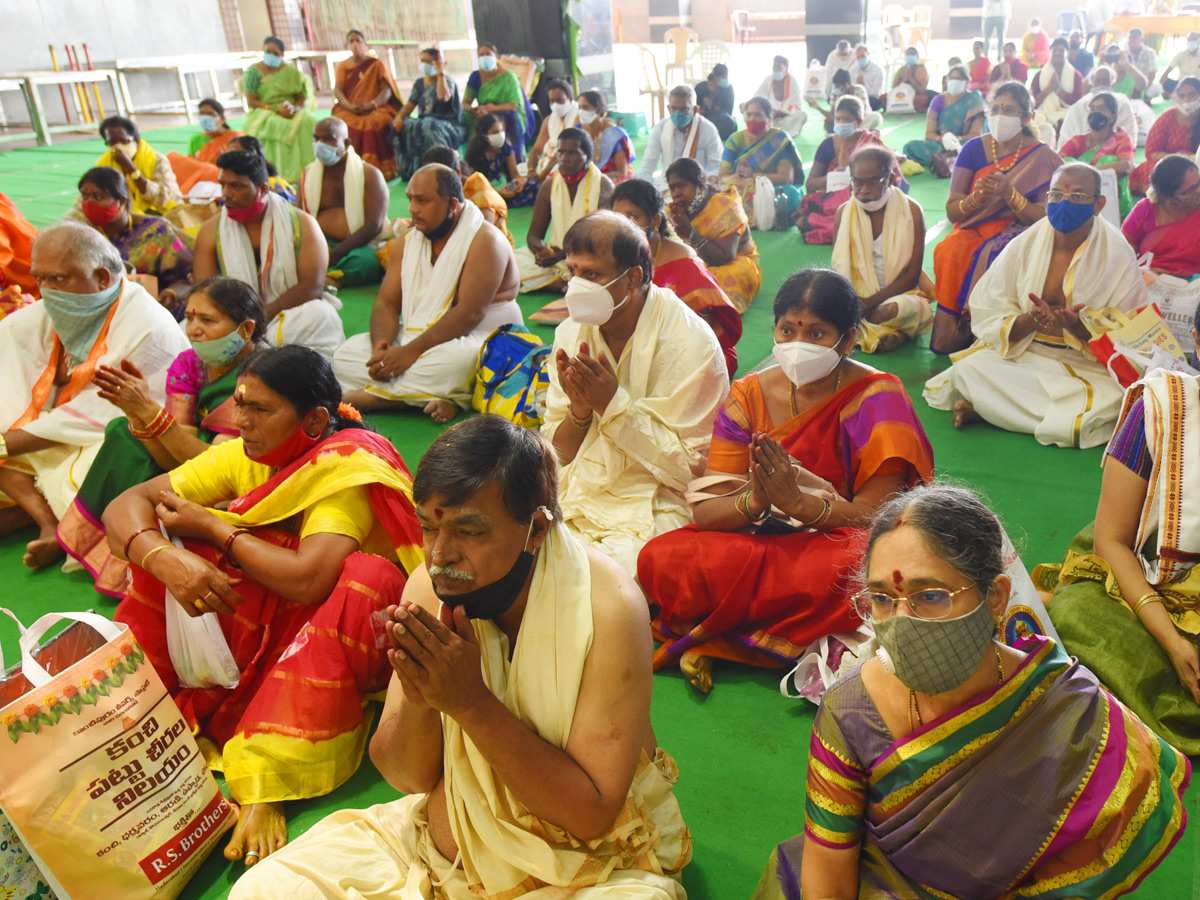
point(1056, 85)
point(1030, 369)
point(349, 199)
point(634, 388)
point(684, 133)
point(786, 96)
point(518, 716)
point(452, 281)
point(52, 414)
point(576, 188)
point(261, 239)
point(879, 244)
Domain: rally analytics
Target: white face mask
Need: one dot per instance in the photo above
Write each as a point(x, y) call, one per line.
point(1188, 107)
point(1035, 29)
point(587, 116)
point(1004, 128)
point(876, 205)
point(955, 85)
point(589, 303)
point(497, 140)
point(1193, 46)
point(804, 363)
point(561, 109)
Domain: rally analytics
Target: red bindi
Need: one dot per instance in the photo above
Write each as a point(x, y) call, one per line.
point(897, 578)
point(437, 511)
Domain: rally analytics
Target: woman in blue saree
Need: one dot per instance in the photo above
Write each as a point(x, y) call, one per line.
point(956, 111)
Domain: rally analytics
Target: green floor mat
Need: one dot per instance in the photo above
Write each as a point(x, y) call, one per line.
point(742, 750)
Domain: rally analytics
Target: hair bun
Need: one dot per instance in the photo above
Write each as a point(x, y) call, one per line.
point(346, 411)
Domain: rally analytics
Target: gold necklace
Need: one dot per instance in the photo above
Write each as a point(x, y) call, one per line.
point(836, 385)
point(995, 146)
point(912, 696)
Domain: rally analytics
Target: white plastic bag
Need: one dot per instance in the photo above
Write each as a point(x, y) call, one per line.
point(814, 80)
point(764, 203)
point(199, 651)
point(836, 179)
point(901, 99)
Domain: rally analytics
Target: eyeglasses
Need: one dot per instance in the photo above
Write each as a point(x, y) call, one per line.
point(867, 182)
point(1056, 196)
point(930, 603)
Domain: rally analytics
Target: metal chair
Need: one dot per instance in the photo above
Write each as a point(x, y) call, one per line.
point(739, 20)
point(706, 55)
point(681, 42)
point(650, 83)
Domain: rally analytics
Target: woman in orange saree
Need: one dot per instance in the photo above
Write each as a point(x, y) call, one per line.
point(997, 190)
point(804, 452)
point(315, 543)
point(367, 101)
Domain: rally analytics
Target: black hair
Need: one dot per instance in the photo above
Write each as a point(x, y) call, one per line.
point(596, 100)
point(242, 162)
point(646, 197)
point(829, 295)
point(689, 170)
point(432, 51)
point(762, 103)
point(237, 300)
point(483, 449)
point(477, 149)
point(490, 46)
point(720, 70)
point(442, 156)
point(271, 39)
point(1194, 83)
point(954, 524)
point(122, 122)
point(1166, 178)
point(961, 69)
point(352, 32)
point(604, 233)
point(841, 76)
point(783, 61)
point(215, 104)
point(1082, 168)
point(109, 180)
point(1110, 103)
point(250, 144)
point(851, 105)
point(302, 377)
point(581, 137)
point(449, 185)
point(1021, 95)
point(1060, 42)
point(560, 84)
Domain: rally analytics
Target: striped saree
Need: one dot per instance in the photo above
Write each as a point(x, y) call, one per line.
point(1044, 786)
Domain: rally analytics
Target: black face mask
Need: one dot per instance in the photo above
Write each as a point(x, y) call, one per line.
point(493, 599)
point(442, 230)
point(1097, 121)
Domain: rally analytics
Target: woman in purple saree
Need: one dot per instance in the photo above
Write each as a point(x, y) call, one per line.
point(961, 768)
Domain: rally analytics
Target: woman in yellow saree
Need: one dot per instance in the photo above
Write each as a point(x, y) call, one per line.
point(281, 100)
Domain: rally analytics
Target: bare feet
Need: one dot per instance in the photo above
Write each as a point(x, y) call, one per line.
point(441, 411)
point(964, 414)
point(261, 829)
point(698, 671)
point(43, 551)
point(889, 342)
point(13, 519)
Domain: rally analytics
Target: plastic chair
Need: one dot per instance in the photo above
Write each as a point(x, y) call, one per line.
point(893, 22)
point(681, 42)
point(919, 29)
point(1068, 22)
point(650, 83)
point(739, 20)
point(706, 55)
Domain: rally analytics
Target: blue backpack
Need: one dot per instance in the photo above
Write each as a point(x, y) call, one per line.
point(511, 379)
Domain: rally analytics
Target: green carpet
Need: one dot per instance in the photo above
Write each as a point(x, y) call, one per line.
point(741, 750)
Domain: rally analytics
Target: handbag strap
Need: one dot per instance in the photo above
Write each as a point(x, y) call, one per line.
point(20, 630)
point(31, 638)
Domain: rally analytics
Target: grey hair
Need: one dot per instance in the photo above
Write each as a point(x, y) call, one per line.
point(1079, 169)
point(954, 523)
point(686, 91)
point(83, 245)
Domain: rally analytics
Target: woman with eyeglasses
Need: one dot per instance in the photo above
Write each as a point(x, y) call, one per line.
point(879, 244)
point(1164, 226)
point(1105, 145)
point(997, 190)
point(803, 453)
point(951, 765)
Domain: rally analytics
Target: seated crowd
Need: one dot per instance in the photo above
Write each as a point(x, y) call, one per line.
point(514, 596)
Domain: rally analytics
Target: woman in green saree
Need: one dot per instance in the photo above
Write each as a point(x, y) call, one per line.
point(761, 151)
point(957, 111)
point(281, 100)
point(1104, 146)
point(494, 89)
point(225, 320)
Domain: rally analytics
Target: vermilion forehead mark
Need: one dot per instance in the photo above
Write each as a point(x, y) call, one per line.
point(897, 578)
point(438, 512)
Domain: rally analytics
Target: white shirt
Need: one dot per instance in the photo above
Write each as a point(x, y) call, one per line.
point(833, 62)
point(792, 101)
point(871, 78)
point(708, 149)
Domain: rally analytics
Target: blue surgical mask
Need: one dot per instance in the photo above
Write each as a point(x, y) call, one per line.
point(222, 351)
point(428, 69)
point(911, 59)
point(864, 62)
point(325, 154)
point(724, 82)
point(1066, 216)
point(209, 124)
point(681, 120)
point(778, 76)
point(488, 63)
point(271, 60)
point(78, 318)
point(843, 129)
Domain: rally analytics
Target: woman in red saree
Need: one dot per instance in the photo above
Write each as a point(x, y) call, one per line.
point(805, 451)
point(367, 101)
point(315, 543)
point(1176, 131)
point(1165, 227)
point(997, 190)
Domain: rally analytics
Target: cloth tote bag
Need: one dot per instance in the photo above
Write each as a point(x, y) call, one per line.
point(104, 783)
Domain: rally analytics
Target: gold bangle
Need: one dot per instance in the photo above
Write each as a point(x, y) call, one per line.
point(823, 517)
point(152, 551)
point(1151, 597)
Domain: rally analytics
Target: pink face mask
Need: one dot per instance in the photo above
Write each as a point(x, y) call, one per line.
point(248, 213)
